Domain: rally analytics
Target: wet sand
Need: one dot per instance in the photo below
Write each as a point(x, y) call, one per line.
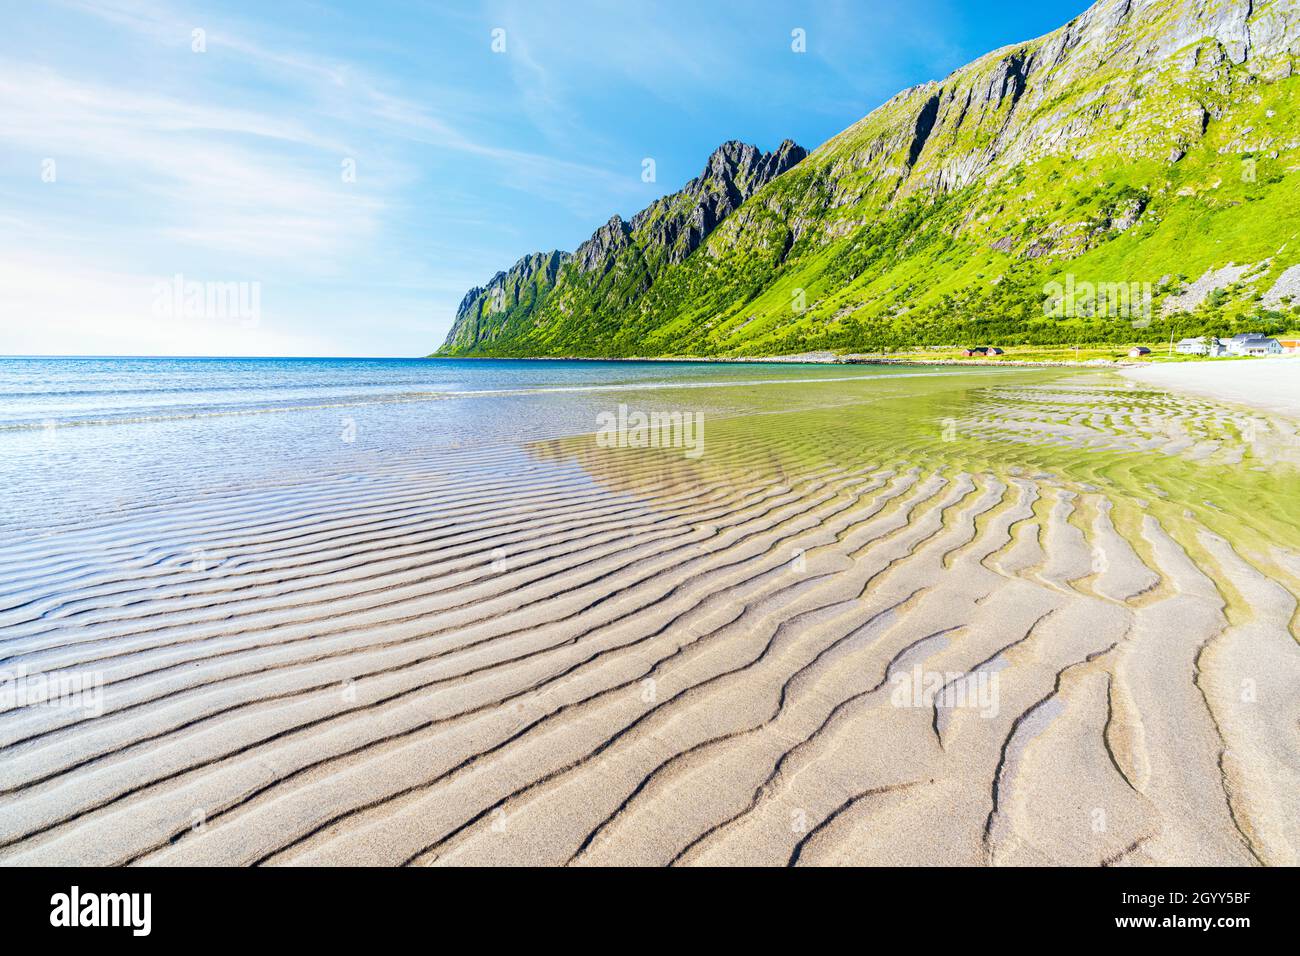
point(562, 653)
point(1269, 384)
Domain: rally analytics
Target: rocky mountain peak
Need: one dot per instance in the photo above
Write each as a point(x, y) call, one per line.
point(634, 253)
point(675, 226)
point(597, 252)
point(742, 166)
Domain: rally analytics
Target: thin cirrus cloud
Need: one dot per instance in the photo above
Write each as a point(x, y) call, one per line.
point(348, 95)
point(207, 175)
point(208, 180)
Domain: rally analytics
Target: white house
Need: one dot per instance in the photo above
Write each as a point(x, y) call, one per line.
point(1253, 343)
point(1201, 346)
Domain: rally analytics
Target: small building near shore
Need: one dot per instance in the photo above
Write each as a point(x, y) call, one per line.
point(993, 350)
point(975, 352)
point(1201, 345)
point(1138, 351)
point(1253, 343)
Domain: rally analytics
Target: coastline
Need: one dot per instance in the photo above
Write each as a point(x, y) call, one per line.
point(808, 358)
point(1266, 384)
point(936, 591)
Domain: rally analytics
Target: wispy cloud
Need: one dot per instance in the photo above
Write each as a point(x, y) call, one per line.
point(350, 95)
point(211, 176)
point(231, 165)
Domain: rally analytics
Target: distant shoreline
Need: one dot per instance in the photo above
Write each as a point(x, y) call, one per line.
point(813, 358)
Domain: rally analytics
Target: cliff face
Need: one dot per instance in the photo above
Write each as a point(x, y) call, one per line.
point(671, 228)
point(1137, 78)
point(1145, 142)
point(619, 263)
point(505, 292)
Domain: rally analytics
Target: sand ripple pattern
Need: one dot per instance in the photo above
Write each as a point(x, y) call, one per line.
point(564, 655)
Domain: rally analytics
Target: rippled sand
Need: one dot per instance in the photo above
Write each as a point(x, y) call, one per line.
point(563, 653)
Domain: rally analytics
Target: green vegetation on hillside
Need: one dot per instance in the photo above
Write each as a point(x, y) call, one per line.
point(956, 212)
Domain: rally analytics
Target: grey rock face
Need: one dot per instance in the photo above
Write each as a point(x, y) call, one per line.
point(673, 227)
point(598, 252)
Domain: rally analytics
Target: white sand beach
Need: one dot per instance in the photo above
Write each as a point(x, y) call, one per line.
point(838, 637)
point(1271, 384)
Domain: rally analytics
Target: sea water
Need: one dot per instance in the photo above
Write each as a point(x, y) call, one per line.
point(82, 438)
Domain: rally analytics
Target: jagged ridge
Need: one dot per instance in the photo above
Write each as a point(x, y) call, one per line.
point(1114, 150)
point(621, 259)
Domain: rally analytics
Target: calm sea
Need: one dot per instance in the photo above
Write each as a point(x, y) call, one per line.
point(87, 437)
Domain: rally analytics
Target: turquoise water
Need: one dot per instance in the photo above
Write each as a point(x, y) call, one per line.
point(81, 437)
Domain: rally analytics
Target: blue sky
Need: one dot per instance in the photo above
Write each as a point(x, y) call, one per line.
point(134, 149)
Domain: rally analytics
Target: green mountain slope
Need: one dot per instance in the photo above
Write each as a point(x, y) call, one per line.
point(547, 299)
point(1145, 152)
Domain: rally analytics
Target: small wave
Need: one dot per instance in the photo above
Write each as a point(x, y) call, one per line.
point(187, 389)
point(160, 416)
